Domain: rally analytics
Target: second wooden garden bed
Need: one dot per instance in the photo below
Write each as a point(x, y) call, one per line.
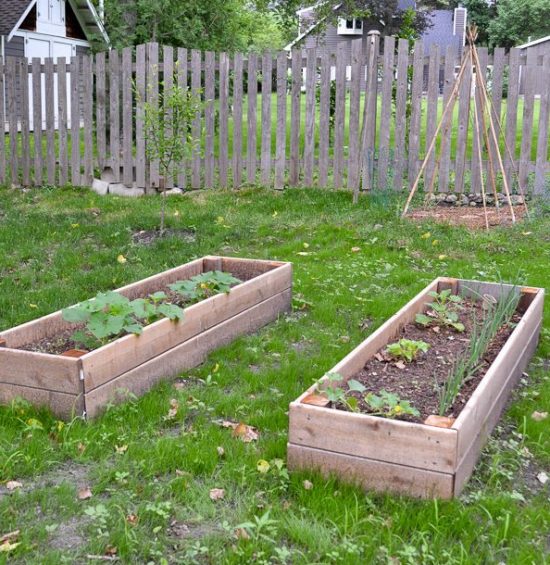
point(84, 385)
point(405, 456)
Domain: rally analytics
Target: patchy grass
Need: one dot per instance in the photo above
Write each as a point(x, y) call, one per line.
point(151, 476)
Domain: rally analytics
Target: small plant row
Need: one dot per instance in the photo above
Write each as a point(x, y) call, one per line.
point(110, 315)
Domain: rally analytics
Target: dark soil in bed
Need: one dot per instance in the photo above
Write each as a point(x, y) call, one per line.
point(418, 381)
point(63, 341)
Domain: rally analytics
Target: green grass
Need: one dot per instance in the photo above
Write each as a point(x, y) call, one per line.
point(61, 246)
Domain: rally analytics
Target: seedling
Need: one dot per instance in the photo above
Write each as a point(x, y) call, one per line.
point(110, 315)
point(389, 405)
point(407, 349)
point(204, 285)
point(442, 311)
point(338, 395)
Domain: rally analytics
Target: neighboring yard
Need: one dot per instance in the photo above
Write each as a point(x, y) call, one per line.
point(151, 476)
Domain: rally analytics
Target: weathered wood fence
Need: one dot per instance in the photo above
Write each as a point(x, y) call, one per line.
point(359, 117)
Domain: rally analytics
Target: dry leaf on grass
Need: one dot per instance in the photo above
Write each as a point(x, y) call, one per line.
point(241, 533)
point(10, 536)
point(13, 485)
point(316, 400)
point(542, 477)
point(221, 451)
point(7, 546)
point(246, 433)
point(217, 494)
point(84, 493)
point(121, 449)
point(263, 466)
point(132, 519)
point(308, 485)
point(173, 411)
point(355, 249)
point(121, 259)
point(539, 416)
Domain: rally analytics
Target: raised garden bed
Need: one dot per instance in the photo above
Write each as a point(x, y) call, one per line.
point(403, 453)
point(85, 383)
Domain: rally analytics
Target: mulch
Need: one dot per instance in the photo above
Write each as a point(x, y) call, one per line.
point(470, 217)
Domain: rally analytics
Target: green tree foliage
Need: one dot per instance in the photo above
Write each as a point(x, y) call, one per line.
point(518, 20)
point(218, 25)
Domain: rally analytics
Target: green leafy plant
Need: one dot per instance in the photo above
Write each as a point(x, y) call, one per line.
point(339, 395)
point(204, 285)
point(443, 311)
point(407, 349)
point(389, 405)
point(110, 315)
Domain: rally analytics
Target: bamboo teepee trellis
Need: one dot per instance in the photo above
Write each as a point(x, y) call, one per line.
point(486, 122)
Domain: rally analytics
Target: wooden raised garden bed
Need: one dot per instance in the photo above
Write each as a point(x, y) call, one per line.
point(407, 455)
point(83, 385)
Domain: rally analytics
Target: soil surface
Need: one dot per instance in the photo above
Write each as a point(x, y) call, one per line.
point(470, 217)
point(148, 237)
point(63, 341)
point(418, 382)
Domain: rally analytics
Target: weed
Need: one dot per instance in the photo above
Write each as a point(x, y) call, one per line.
point(407, 349)
point(443, 311)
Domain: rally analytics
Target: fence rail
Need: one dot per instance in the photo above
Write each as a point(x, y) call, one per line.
point(356, 118)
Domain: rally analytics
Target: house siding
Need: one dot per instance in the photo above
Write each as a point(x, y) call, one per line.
point(15, 47)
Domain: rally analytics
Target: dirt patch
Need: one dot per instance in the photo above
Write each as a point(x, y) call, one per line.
point(148, 237)
point(473, 218)
point(419, 381)
point(67, 536)
point(181, 530)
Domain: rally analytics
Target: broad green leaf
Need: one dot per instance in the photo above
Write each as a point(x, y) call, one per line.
point(356, 386)
point(171, 311)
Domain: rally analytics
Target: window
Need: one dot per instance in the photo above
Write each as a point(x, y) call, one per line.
point(352, 26)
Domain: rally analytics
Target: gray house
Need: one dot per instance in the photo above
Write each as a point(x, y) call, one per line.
point(534, 52)
point(448, 28)
point(48, 28)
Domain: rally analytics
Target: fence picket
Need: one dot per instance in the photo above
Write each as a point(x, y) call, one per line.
point(24, 123)
point(101, 109)
point(339, 116)
point(431, 109)
point(295, 117)
point(224, 118)
point(265, 155)
point(514, 71)
point(445, 149)
point(542, 141)
point(237, 120)
point(50, 120)
point(127, 117)
point(252, 90)
point(464, 102)
point(196, 84)
point(87, 96)
point(11, 92)
point(114, 113)
point(141, 95)
point(75, 121)
point(168, 85)
point(530, 80)
point(385, 112)
point(209, 119)
point(416, 109)
point(37, 120)
point(309, 141)
point(182, 71)
point(2, 122)
point(324, 118)
point(280, 156)
point(62, 118)
point(153, 101)
point(400, 113)
point(357, 74)
point(476, 167)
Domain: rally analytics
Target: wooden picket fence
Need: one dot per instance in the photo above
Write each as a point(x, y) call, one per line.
point(361, 117)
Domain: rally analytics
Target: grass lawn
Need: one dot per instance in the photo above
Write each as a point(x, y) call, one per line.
point(151, 476)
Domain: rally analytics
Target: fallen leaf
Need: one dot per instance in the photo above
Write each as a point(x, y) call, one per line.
point(179, 385)
point(435, 242)
point(400, 365)
point(308, 485)
point(121, 259)
point(176, 213)
point(442, 256)
point(7, 546)
point(121, 449)
point(241, 533)
point(263, 466)
point(216, 368)
point(526, 232)
point(306, 245)
point(542, 477)
point(303, 253)
point(10, 536)
point(85, 493)
point(132, 519)
point(33, 306)
point(436, 329)
point(81, 448)
point(217, 494)
point(539, 416)
point(426, 235)
point(13, 485)
point(221, 451)
point(439, 421)
point(379, 357)
point(355, 249)
point(173, 412)
point(247, 433)
point(275, 214)
point(316, 400)
point(74, 226)
point(110, 550)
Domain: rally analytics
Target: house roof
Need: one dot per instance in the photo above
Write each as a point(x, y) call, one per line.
point(13, 11)
point(535, 42)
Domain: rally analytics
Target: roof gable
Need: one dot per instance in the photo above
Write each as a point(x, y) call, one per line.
point(11, 12)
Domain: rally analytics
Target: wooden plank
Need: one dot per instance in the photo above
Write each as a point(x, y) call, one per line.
point(431, 109)
point(11, 108)
point(224, 120)
point(416, 110)
point(464, 101)
point(62, 121)
point(88, 110)
point(3, 179)
point(50, 120)
point(37, 120)
point(280, 157)
point(209, 116)
point(476, 168)
point(38, 370)
point(542, 142)
point(371, 474)
point(324, 118)
point(357, 79)
point(400, 114)
point(446, 133)
point(141, 95)
point(252, 91)
point(11, 112)
point(130, 351)
point(114, 112)
point(238, 119)
point(496, 95)
point(501, 376)
point(168, 87)
point(368, 141)
point(196, 85)
point(25, 127)
point(127, 117)
point(386, 112)
point(514, 71)
point(361, 435)
point(190, 353)
point(339, 116)
point(182, 70)
point(75, 120)
point(295, 116)
point(153, 100)
point(309, 141)
point(530, 81)
point(101, 107)
point(265, 155)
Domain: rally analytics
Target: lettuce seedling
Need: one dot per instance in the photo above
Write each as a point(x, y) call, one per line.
point(407, 349)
